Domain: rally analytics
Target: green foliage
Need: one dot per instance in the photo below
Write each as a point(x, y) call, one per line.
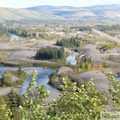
point(78, 81)
point(109, 45)
point(5, 113)
point(114, 89)
point(33, 106)
point(4, 33)
point(14, 99)
point(109, 27)
point(53, 76)
point(10, 104)
point(86, 64)
point(7, 76)
point(19, 71)
point(72, 42)
point(65, 78)
point(2, 56)
point(22, 32)
point(105, 65)
point(85, 28)
point(50, 53)
point(76, 103)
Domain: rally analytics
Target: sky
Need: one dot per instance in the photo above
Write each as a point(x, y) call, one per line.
point(76, 3)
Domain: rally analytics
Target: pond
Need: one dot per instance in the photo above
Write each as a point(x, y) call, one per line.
point(15, 37)
point(71, 58)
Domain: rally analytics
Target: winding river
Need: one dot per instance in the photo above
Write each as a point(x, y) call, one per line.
point(43, 74)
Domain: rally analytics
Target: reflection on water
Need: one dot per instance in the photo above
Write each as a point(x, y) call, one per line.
point(43, 76)
point(117, 78)
point(71, 58)
point(15, 37)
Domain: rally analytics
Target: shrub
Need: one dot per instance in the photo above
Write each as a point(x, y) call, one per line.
point(52, 80)
point(7, 75)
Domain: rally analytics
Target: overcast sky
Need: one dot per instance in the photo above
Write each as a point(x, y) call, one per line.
point(77, 3)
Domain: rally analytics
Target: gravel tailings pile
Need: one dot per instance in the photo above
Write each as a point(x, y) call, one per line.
point(90, 51)
point(100, 79)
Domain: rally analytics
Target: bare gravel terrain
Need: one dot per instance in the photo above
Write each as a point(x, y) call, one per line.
point(91, 51)
point(24, 52)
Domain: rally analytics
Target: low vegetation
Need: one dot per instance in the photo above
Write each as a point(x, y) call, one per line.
point(85, 28)
point(108, 45)
point(4, 33)
point(2, 57)
point(74, 103)
point(19, 75)
point(109, 27)
point(52, 80)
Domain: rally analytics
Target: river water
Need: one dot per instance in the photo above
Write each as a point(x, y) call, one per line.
point(43, 74)
point(118, 78)
point(43, 78)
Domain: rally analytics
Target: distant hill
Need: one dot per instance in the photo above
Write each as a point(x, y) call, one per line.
point(11, 14)
point(99, 12)
point(38, 13)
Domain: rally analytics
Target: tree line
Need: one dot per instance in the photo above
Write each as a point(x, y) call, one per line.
point(85, 28)
point(50, 53)
point(109, 27)
point(72, 42)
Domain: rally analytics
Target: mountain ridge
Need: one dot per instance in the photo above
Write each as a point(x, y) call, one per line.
point(13, 14)
point(98, 12)
point(47, 12)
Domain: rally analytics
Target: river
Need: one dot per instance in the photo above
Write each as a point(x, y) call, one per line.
point(43, 73)
point(43, 76)
point(117, 78)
